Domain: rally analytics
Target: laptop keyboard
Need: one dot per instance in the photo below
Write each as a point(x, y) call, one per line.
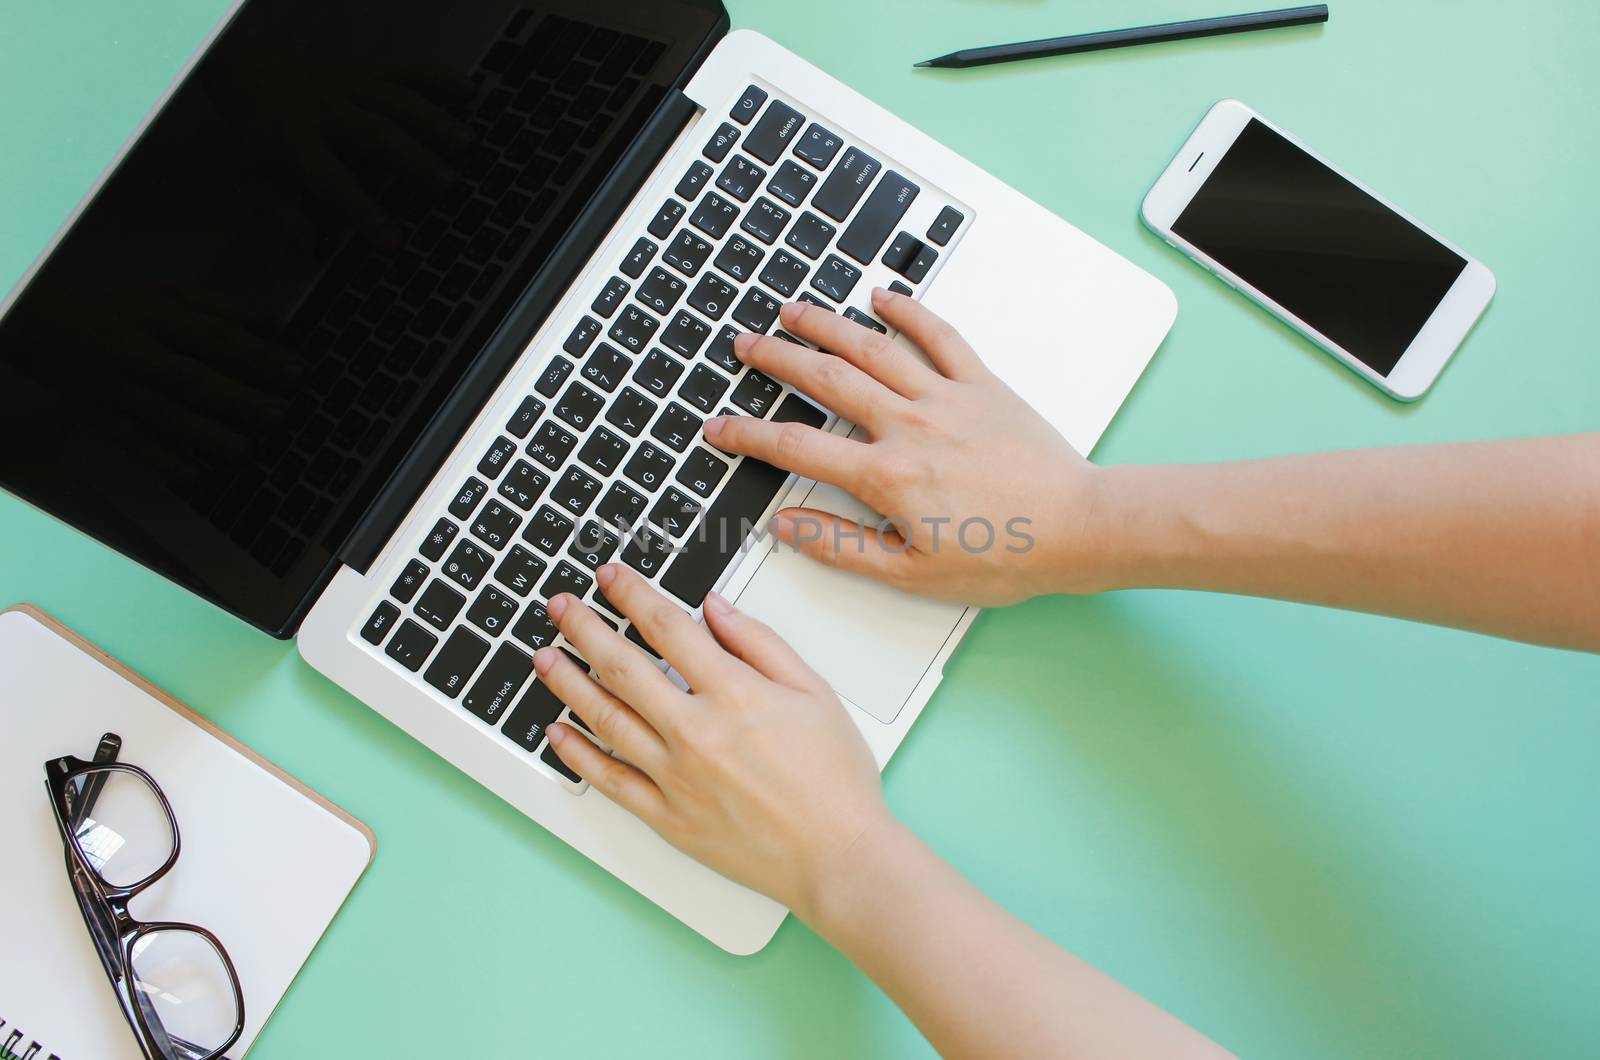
point(603, 459)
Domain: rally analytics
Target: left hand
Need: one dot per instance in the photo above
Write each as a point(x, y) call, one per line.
point(758, 772)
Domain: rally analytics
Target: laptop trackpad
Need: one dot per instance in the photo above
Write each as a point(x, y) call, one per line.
point(872, 643)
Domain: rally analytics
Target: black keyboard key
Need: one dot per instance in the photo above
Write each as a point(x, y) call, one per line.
point(579, 406)
point(741, 178)
point(910, 257)
point(714, 216)
point(750, 490)
point(456, 661)
point(657, 372)
point(496, 459)
point(630, 411)
point(621, 507)
point(594, 544)
point(686, 334)
point(712, 295)
point(547, 530)
point(534, 628)
point(811, 235)
point(496, 525)
point(467, 498)
point(439, 538)
point(554, 375)
point(634, 264)
point(704, 388)
point(378, 626)
point(879, 215)
point(649, 466)
point(944, 226)
point(899, 288)
point(865, 321)
point(666, 219)
point(551, 445)
point(792, 183)
point(467, 564)
point(525, 417)
point(519, 571)
point(777, 127)
point(720, 352)
point(578, 342)
point(749, 105)
point(491, 694)
point(846, 184)
point(785, 273)
point(439, 605)
point(411, 645)
point(647, 552)
point(566, 579)
point(492, 611)
point(576, 491)
point(661, 291)
point(756, 393)
point(701, 472)
point(677, 426)
point(765, 220)
point(756, 310)
point(836, 278)
point(675, 512)
point(603, 451)
point(818, 146)
point(553, 760)
point(610, 297)
point(740, 259)
point(693, 181)
point(633, 329)
point(810, 299)
point(686, 253)
point(409, 581)
point(721, 142)
point(532, 716)
point(633, 633)
point(607, 367)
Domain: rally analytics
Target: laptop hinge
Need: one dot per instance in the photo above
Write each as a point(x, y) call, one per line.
point(412, 475)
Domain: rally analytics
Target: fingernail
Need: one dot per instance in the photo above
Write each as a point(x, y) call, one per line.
point(558, 733)
point(718, 603)
point(791, 312)
point(557, 606)
point(544, 659)
point(714, 426)
point(783, 525)
point(606, 575)
point(743, 341)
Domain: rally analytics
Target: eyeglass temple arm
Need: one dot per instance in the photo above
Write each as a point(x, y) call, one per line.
point(110, 747)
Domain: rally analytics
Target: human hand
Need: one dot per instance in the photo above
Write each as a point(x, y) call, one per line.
point(758, 772)
point(985, 502)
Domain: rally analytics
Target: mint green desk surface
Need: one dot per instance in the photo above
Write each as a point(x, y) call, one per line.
point(1307, 833)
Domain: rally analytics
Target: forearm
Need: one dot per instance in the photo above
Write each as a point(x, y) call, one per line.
point(974, 979)
point(1500, 537)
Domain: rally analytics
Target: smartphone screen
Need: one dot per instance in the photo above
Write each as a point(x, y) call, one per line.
point(1320, 247)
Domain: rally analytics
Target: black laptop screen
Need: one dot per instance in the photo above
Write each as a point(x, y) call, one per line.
point(225, 357)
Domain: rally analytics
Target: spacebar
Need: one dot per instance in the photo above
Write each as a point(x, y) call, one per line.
point(732, 515)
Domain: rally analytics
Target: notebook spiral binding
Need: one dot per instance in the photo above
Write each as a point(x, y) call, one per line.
point(12, 1048)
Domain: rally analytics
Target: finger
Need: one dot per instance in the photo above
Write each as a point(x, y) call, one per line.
point(209, 338)
point(756, 643)
point(793, 447)
point(873, 352)
point(625, 670)
point(837, 384)
point(623, 784)
point(942, 343)
point(414, 111)
point(382, 140)
point(332, 182)
point(611, 719)
point(683, 642)
point(843, 543)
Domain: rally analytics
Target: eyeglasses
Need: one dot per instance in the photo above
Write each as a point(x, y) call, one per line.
point(175, 982)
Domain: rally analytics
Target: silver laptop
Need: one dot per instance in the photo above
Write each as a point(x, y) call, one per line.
point(396, 319)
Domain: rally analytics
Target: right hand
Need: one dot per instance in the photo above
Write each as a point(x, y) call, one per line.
point(950, 444)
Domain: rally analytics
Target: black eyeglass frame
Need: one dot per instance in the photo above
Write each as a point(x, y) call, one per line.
point(105, 908)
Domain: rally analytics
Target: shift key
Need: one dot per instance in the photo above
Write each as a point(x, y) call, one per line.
point(846, 184)
point(880, 215)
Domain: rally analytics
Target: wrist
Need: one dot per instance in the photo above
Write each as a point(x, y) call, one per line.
point(1130, 529)
point(838, 888)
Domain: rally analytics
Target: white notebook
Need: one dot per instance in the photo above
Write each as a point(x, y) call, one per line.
point(265, 863)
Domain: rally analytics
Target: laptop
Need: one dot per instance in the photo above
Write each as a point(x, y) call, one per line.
point(397, 318)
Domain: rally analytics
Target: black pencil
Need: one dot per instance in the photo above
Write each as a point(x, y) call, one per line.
point(1123, 38)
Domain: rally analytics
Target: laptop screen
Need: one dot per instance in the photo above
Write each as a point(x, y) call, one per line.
point(222, 361)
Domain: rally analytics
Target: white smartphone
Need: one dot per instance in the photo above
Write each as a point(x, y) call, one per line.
point(1339, 264)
